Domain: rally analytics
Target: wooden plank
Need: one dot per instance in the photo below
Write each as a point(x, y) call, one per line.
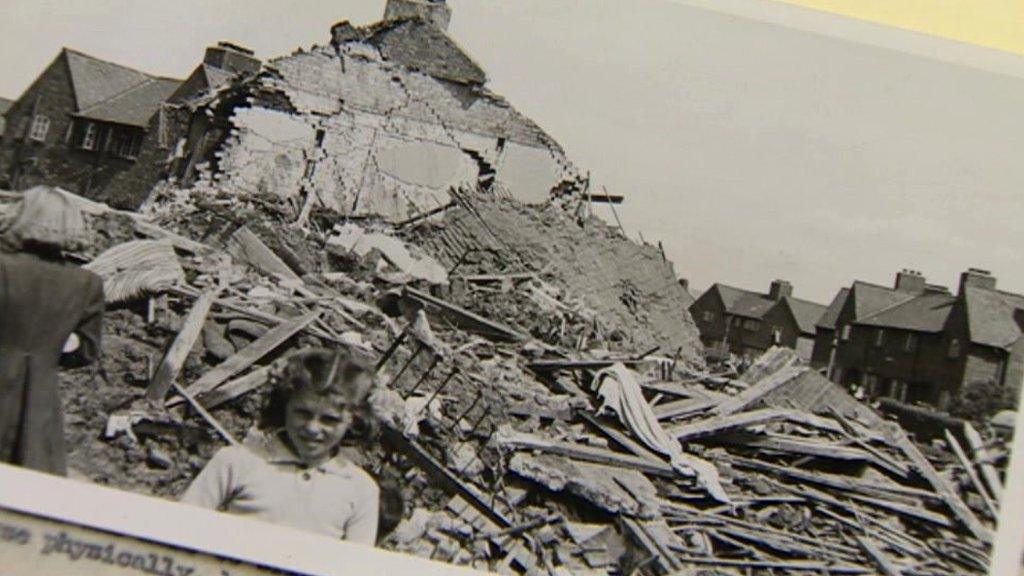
point(250, 354)
point(792, 445)
point(784, 541)
point(246, 246)
point(763, 386)
point(653, 542)
point(877, 557)
point(553, 365)
point(180, 242)
point(943, 488)
point(174, 359)
point(968, 466)
point(523, 441)
point(485, 278)
point(837, 482)
point(773, 360)
point(235, 388)
point(795, 565)
point(710, 426)
point(681, 408)
point(984, 461)
point(447, 480)
point(463, 318)
point(206, 415)
point(881, 459)
point(916, 512)
point(605, 198)
point(255, 314)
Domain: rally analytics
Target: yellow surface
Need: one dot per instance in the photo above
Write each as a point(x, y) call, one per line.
point(992, 23)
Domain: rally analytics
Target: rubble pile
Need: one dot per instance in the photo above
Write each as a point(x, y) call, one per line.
point(540, 412)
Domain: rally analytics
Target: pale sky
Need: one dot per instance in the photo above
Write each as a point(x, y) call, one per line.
point(752, 150)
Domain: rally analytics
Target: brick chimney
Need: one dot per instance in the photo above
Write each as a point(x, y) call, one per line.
point(910, 281)
point(436, 12)
point(780, 289)
point(977, 278)
point(232, 58)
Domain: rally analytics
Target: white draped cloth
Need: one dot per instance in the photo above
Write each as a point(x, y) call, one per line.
point(620, 393)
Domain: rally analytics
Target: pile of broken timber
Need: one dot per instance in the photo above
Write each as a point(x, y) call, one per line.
point(820, 483)
point(534, 479)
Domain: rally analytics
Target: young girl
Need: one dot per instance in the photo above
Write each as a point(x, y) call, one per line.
point(296, 476)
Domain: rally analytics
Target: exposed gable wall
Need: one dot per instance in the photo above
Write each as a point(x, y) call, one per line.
point(370, 137)
point(712, 330)
point(51, 94)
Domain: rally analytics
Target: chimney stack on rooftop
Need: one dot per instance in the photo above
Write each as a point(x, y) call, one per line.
point(780, 289)
point(436, 12)
point(232, 58)
point(977, 278)
point(910, 281)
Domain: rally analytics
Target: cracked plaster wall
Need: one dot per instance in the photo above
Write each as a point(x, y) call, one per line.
point(394, 141)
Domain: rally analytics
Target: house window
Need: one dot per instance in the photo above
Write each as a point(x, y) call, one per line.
point(40, 126)
point(898, 390)
point(776, 336)
point(708, 316)
point(845, 334)
point(752, 325)
point(911, 342)
point(871, 385)
point(126, 145)
point(879, 337)
point(89, 136)
point(954, 348)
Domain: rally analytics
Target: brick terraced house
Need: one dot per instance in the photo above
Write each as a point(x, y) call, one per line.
point(748, 323)
point(101, 129)
point(918, 343)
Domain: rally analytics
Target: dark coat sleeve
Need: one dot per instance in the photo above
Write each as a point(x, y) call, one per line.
point(90, 327)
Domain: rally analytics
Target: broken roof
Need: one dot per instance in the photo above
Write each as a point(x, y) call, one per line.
point(991, 316)
point(925, 312)
point(831, 315)
point(110, 92)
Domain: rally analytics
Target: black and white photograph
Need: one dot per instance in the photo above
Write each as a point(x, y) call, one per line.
point(537, 287)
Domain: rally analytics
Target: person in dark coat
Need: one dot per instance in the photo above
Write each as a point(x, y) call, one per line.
point(50, 316)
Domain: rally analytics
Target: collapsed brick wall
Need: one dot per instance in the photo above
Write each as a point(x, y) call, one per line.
point(630, 286)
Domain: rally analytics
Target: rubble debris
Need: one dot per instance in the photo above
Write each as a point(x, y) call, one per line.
point(532, 429)
point(351, 239)
point(247, 247)
point(174, 360)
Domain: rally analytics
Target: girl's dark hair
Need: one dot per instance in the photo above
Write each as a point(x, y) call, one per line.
point(331, 374)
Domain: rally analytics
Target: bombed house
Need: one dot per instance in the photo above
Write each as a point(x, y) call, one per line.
point(383, 120)
point(540, 388)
